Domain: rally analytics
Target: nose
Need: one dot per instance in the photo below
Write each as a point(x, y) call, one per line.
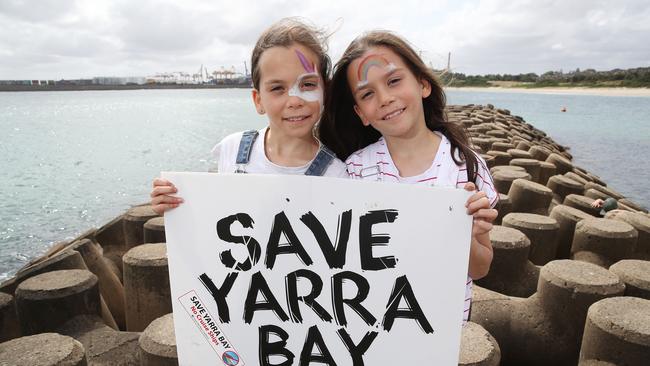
point(385, 97)
point(295, 102)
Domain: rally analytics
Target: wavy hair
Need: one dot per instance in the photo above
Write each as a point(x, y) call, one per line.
point(342, 130)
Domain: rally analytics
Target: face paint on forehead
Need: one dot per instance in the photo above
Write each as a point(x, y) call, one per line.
point(370, 61)
point(306, 64)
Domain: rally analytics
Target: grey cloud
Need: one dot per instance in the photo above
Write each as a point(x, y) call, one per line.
point(484, 36)
point(37, 11)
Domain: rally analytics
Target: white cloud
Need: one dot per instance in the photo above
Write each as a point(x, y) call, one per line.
point(69, 39)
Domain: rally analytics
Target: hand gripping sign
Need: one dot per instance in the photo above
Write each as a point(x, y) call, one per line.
point(295, 270)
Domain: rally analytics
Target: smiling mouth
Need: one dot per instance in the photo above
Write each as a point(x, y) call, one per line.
point(297, 118)
point(393, 114)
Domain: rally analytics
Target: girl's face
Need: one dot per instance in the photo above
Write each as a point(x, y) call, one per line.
point(386, 93)
point(290, 90)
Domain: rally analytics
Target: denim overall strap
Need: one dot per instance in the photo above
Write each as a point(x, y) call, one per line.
point(323, 159)
point(245, 147)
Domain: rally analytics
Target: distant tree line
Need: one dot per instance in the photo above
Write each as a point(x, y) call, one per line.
point(637, 77)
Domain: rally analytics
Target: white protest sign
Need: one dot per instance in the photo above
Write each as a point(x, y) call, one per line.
point(296, 270)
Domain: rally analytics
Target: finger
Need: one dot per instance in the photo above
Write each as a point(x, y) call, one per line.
point(469, 186)
point(487, 214)
point(482, 203)
point(163, 190)
point(163, 199)
point(161, 182)
point(160, 209)
point(481, 227)
point(476, 196)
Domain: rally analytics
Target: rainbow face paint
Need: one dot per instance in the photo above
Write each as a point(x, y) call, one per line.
point(370, 61)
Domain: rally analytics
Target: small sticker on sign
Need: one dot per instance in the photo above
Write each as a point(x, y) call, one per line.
point(210, 329)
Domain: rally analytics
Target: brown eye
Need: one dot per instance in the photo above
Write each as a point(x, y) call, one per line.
point(366, 95)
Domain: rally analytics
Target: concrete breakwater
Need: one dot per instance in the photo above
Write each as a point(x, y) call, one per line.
point(566, 287)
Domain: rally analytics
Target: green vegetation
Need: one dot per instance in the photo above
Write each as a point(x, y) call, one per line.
point(630, 78)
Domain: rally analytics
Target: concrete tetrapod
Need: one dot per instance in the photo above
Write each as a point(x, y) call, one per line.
point(577, 177)
point(567, 218)
point(524, 146)
point(595, 194)
point(582, 203)
point(497, 168)
point(562, 164)
point(154, 230)
point(539, 152)
point(618, 330)
point(511, 273)
point(532, 167)
point(61, 260)
point(503, 207)
point(46, 301)
point(581, 173)
point(641, 223)
point(146, 285)
point(500, 157)
point(502, 146)
point(111, 238)
point(110, 286)
point(603, 241)
point(531, 197)
point(134, 220)
point(103, 344)
point(489, 160)
point(65, 259)
point(478, 347)
point(636, 276)
point(632, 205)
point(503, 179)
point(563, 186)
point(9, 326)
point(158, 343)
point(546, 328)
point(519, 154)
point(45, 349)
point(546, 171)
point(605, 190)
point(541, 231)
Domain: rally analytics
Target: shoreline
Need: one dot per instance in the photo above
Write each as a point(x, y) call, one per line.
point(37, 88)
point(608, 92)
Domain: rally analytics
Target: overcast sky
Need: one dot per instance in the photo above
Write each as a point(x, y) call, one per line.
point(55, 39)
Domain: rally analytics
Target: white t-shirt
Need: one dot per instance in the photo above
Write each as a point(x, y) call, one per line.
point(225, 154)
point(374, 162)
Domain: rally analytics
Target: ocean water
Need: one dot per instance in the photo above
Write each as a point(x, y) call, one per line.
point(74, 160)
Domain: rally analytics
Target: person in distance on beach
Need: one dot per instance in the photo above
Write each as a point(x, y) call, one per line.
point(605, 205)
point(290, 70)
point(385, 113)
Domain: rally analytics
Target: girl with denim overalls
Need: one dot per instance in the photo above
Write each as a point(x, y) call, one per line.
point(290, 69)
point(386, 116)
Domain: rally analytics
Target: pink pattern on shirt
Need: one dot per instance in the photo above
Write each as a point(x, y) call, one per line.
point(377, 155)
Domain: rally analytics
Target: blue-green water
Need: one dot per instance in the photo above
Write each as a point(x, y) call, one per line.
point(74, 160)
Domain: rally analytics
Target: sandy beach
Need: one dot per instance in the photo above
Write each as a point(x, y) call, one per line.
point(612, 92)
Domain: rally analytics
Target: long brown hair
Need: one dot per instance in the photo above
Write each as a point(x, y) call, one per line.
point(286, 32)
point(341, 129)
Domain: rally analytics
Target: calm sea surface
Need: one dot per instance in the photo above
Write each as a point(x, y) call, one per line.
point(73, 160)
